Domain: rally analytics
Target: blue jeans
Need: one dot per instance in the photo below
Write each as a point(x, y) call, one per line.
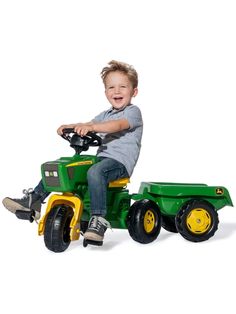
point(39, 189)
point(99, 176)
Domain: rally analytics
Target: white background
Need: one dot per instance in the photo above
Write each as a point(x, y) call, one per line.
point(51, 55)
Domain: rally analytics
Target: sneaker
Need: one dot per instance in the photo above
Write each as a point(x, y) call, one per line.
point(96, 228)
point(28, 207)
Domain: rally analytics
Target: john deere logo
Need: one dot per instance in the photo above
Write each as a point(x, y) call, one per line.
point(219, 191)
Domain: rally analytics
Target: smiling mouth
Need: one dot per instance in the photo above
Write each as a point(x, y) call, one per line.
point(118, 98)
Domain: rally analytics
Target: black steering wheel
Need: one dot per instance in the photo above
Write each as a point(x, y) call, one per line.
point(81, 143)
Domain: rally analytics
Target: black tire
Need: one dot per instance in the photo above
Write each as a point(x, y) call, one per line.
point(197, 220)
point(144, 221)
point(57, 228)
point(168, 223)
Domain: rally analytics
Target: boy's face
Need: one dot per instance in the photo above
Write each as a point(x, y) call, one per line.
point(119, 90)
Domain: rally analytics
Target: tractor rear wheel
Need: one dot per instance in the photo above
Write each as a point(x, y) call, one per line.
point(144, 221)
point(57, 228)
point(197, 220)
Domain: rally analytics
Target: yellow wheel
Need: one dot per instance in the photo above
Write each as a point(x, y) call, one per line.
point(197, 220)
point(149, 221)
point(144, 221)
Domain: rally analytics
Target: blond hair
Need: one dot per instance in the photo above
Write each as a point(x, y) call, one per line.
point(121, 67)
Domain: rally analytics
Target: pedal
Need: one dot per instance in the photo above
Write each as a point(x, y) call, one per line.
point(22, 214)
point(91, 242)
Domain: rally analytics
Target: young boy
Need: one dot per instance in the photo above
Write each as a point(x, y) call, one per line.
point(121, 129)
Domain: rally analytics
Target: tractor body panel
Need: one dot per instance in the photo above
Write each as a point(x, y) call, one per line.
point(67, 173)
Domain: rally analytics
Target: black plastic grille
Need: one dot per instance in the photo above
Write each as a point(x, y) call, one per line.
point(51, 179)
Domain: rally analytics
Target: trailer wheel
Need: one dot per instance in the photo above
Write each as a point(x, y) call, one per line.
point(57, 228)
point(144, 221)
point(197, 220)
point(168, 223)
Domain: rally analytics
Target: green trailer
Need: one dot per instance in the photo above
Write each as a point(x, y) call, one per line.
point(190, 209)
point(187, 208)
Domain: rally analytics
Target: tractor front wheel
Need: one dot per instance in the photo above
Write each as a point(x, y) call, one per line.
point(144, 221)
point(57, 228)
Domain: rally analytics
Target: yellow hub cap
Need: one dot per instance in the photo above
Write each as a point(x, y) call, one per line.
point(198, 221)
point(149, 221)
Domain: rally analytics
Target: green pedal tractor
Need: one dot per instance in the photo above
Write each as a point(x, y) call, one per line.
point(190, 209)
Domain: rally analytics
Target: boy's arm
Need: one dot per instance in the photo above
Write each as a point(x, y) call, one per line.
point(111, 126)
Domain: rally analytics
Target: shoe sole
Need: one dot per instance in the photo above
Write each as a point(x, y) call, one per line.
point(14, 206)
point(91, 236)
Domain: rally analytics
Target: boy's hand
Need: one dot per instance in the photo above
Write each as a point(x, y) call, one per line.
point(60, 129)
point(67, 126)
point(83, 129)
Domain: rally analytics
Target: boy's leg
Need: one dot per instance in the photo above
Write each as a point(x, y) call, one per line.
point(29, 205)
point(40, 191)
point(99, 176)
